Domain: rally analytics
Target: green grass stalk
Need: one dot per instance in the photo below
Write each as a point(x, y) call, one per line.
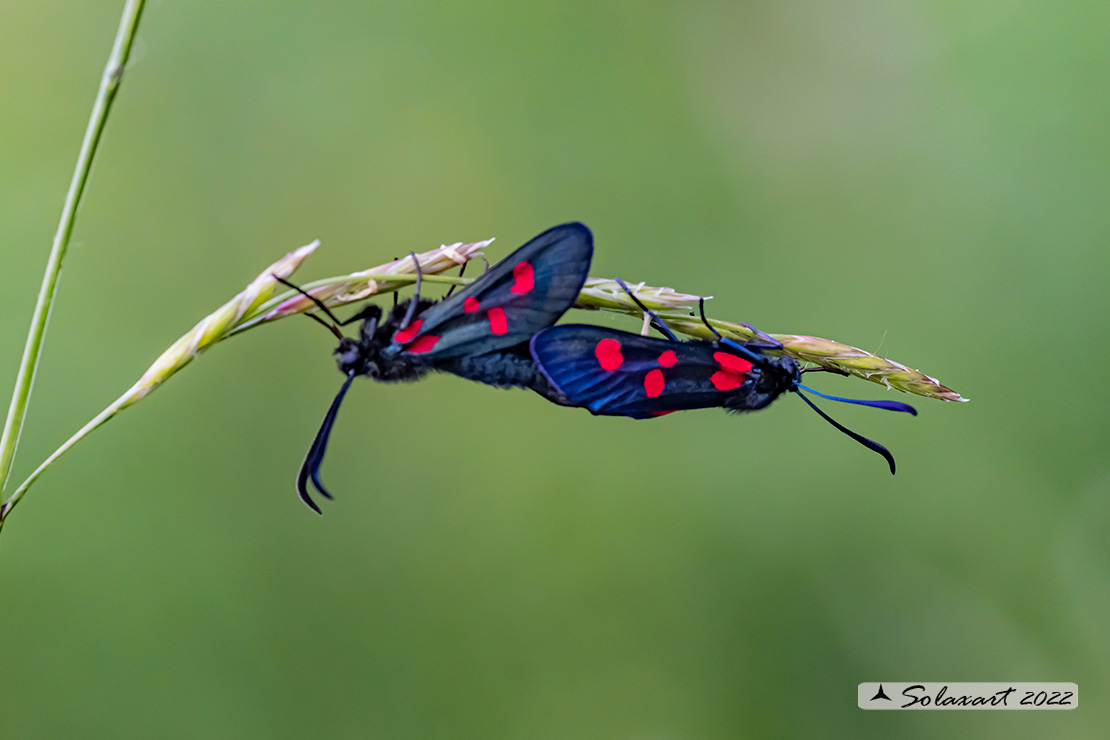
point(109, 87)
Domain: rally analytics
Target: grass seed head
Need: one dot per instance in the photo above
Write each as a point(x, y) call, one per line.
point(678, 310)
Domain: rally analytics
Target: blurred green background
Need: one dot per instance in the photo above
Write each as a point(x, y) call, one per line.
point(928, 180)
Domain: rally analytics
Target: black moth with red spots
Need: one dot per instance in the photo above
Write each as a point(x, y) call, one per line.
point(615, 373)
point(480, 333)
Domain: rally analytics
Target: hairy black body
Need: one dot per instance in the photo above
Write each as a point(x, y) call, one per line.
point(616, 373)
point(480, 333)
point(375, 355)
point(768, 381)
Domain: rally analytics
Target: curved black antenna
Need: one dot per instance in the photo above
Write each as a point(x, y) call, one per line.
point(905, 408)
point(655, 320)
point(868, 443)
point(336, 323)
point(416, 297)
point(310, 468)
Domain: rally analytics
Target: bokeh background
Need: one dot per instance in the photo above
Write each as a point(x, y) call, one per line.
point(924, 179)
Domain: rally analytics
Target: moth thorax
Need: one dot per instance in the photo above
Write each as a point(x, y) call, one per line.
point(778, 375)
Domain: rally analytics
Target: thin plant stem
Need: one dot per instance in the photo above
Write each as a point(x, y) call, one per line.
point(109, 86)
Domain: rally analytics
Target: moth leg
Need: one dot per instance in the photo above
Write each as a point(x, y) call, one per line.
point(769, 342)
point(332, 327)
point(395, 258)
point(462, 271)
point(650, 317)
point(416, 297)
point(835, 370)
point(366, 312)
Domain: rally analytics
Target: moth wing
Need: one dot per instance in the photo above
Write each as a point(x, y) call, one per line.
point(617, 373)
point(517, 297)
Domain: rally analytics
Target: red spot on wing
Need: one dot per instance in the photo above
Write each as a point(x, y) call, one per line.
point(661, 413)
point(423, 344)
point(470, 305)
point(524, 278)
point(734, 371)
point(608, 353)
point(653, 383)
point(725, 381)
point(668, 359)
point(498, 324)
point(405, 335)
point(733, 363)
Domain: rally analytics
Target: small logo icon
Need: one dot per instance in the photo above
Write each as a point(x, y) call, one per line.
point(880, 694)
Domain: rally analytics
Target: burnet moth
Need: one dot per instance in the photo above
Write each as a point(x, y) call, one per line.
point(617, 373)
point(480, 333)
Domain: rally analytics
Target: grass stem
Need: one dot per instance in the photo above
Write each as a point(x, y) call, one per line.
point(109, 85)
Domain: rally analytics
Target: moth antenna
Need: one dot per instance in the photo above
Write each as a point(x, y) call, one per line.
point(310, 468)
point(905, 408)
point(416, 297)
point(655, 320)
point(334, 326)
point(868, 443)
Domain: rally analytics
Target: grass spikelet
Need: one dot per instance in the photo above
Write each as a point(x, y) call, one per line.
point(256, 305)
point(216, 326)
point(605, 294)
point(834, 356)
point(677, 309)
point(357, 286)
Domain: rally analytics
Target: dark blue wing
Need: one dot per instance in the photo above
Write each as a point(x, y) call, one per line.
point(520, 295)
point(617, 373)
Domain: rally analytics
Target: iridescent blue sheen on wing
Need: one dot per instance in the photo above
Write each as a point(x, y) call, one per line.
point(520, 295)
point(617, 373)
point(480, 333)
point(621, 374)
